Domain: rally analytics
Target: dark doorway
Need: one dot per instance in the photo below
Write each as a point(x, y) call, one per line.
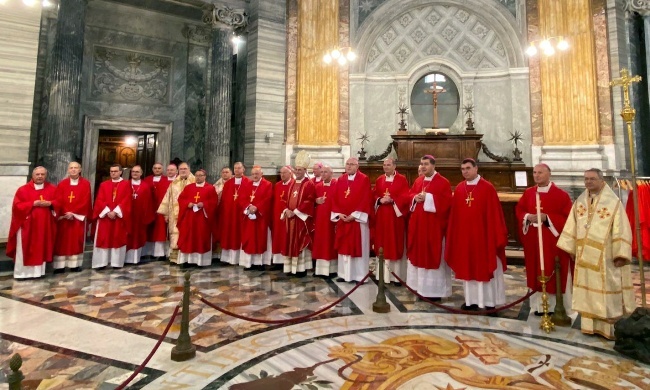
point(125, 148)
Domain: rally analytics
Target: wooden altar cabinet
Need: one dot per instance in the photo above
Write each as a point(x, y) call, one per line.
point(449, 151)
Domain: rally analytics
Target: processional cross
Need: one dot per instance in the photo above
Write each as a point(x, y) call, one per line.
point(435, 90)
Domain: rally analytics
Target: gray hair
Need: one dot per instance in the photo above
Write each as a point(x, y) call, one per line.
point(598, 172)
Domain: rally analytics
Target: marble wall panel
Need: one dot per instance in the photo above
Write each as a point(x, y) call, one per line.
point(195, 105)
point(19, 39)
point(266, 84)
point(146, 32)
point(602, 72)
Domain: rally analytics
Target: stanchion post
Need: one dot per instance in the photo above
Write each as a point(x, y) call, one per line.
point(184, 349)
point(15, 378)
point(380, 305)
point(559, 317)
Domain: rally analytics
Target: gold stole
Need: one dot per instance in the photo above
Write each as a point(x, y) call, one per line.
point(593, 226)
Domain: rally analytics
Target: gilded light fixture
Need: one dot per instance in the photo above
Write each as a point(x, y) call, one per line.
point(548, 46)
point(341, 55)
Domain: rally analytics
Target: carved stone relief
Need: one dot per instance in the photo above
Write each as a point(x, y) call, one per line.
point(130, 76)
point(460, 34)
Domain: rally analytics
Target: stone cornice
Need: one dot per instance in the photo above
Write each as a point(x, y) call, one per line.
point(641, 7)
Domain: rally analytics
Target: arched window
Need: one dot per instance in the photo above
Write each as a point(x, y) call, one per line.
point(422, 100)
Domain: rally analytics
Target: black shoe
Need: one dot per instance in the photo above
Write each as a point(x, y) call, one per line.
point(495, 314)
point(100, 268)
point(340, 280)
point(59, 271)
point(469, 308)
point(396, 284)
point(301, 274)
point(75, 269)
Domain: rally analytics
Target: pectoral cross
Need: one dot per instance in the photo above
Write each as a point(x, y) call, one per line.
point(135, 195)
point(197, 197)
point(469, 200)
point(252, 197)
point(386, 193)
point(282, 194)
point(114, 194)
point(324, 195)
point(347, 192)
point(295, 193)
point(42, 200)
point(71, 196)
point(236, 194)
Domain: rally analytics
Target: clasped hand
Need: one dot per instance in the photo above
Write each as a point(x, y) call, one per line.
point(42, 203)
point(532, 218)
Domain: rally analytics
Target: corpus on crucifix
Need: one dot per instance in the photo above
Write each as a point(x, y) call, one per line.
point(435, 90)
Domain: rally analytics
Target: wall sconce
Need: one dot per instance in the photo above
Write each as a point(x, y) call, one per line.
point(341, 55)
point(547, 46)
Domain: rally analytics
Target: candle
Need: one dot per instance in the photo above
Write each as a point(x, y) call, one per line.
point(539, 231)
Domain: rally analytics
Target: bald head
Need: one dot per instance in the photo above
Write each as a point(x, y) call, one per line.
point(256, 173)
point(542, 175)
point(327, 173)
point(157, 169)
point(172, 171)
point(352, 166)
point(389, 167)
point(136, 172)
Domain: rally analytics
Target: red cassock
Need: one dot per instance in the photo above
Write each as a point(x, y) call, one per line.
point(231, 215)
point(142, 214)
point(477, 232)
point(71, 233)
point(158, 229)
point(426, 229)
point(112, 233)
point(388, 227)
point(195, 228)
point(324, 232)
point(37, 225)
point(644, 220)
point(278, 228)
point(557, 205)
point(299, 232)
point(351, 196)
point(254, 232)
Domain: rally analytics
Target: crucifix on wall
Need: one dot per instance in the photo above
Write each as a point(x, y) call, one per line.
point(435, 90)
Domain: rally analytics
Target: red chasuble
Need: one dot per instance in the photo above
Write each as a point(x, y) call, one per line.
point(71, 233)
point(112, 233)
point(278, 229)
point(231, 215)
point(557, 204)
point(323, 245)
point(142, 214)
point(388, 227)
point(298, 232)
point(477, 232)
point(644, 220)
point(37, 225)
point(427, 229)
point(158, 229)
point(351, 196)
point(195, 228)
point(254, 232)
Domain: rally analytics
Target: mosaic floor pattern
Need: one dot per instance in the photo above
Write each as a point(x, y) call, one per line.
point(141, 299)
point(49, 367)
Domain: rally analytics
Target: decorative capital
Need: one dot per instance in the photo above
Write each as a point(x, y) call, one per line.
point(641, 7)
point(197, 34)
point(225, 17)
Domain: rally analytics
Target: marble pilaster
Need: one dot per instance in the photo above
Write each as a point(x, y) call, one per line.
point(198, 39)
point(218, 134)
point(62, 135)
point(238, 139)
point(265, 84)
point(19, 40)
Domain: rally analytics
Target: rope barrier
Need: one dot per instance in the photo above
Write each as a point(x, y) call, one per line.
point(153, 351)
point(459, 311)
point(291, 320)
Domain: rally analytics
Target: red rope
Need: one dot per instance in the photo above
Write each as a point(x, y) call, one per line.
point(459, 311)
point(291, 320)
point(153, 351)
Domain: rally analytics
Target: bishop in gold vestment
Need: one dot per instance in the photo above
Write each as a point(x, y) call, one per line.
point(598, 235)
point(169, 207)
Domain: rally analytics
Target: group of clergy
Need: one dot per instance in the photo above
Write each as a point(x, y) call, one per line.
point(329, 226)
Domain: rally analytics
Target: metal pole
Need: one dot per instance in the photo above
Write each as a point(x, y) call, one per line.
point(380, 305)
point(184, 349)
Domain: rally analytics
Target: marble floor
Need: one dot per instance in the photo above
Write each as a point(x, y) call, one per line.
point(90, 330)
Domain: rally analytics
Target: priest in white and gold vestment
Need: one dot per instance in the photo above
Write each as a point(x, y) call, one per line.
point(169, 207)
point(598, 235)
